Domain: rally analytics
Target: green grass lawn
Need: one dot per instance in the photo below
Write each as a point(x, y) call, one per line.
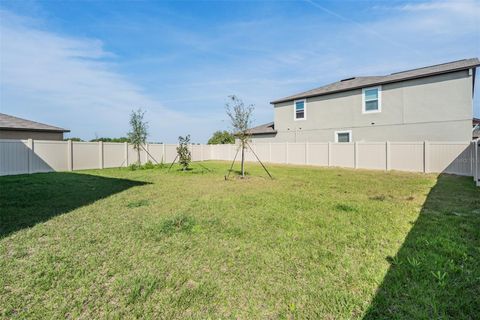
point(314, 243)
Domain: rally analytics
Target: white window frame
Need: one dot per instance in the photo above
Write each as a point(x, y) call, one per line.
point(304, 110)
point(350, 136)
point(364, 105)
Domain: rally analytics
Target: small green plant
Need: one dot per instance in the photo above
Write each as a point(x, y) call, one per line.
point(345, 207)
point(141, 289)
point(139, 203)
point(161, 165)
point(184, 154)
point(440, 277)
point(396, 261)
point(179, 223)
point(414, 262)
point(148, 165)
point(134, 167)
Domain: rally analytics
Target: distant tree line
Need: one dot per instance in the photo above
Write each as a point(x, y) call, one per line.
point(221, 137)
point(121, 139)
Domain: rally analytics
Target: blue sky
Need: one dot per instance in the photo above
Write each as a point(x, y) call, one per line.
point(86, 65)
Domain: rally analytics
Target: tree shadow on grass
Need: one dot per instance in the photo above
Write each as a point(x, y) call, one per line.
point(436, 273)
point(26, 200)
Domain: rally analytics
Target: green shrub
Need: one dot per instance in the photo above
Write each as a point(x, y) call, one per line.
point(149, 165)
point(134, 167)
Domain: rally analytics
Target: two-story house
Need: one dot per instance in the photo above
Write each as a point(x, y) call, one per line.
point(432, 103)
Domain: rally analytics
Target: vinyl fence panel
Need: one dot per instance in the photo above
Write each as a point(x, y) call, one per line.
point(343, 155)
point(279, 152)
point(197, 152)
point(114, 155)
point(170, 152)
point(297, 153)
point(476, 160)
point(133, 155)
point(262, 150)
point(13, 157)
point(318, 153)
point(452, 157)
point(156, 153)
point(407, 156)
point(49, 156)
point(86, 155)
point(371, 155)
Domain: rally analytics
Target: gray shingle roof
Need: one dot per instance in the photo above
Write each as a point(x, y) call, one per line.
point(263, 129)
point(362, 82)
point(15, 123)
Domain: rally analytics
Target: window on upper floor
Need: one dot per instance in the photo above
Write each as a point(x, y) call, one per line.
point(343, 136)
point(300, 109)
point(372, 99)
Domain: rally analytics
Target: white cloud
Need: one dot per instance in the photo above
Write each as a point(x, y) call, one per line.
point(464, 7)
point(70, 82)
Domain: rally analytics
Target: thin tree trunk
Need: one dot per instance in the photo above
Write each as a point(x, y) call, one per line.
point(243, 159)
point(138, 155)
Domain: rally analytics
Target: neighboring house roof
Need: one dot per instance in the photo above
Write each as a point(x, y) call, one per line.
point(476, 128)
point(362, 82)
point(263, 129)
point(476, 132)
point(8, 122)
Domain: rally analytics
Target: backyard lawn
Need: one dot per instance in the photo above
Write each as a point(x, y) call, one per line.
point(314, 243)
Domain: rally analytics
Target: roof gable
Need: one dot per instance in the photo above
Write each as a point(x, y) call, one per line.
point(263, 129)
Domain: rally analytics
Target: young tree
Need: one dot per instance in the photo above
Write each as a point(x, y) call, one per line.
point(221, 137)
point(184, 154)
point(138, 131)
point(241, 118)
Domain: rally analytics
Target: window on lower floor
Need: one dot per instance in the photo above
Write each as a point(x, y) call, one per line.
point(343, 136)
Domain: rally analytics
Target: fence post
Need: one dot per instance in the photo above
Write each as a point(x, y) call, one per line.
point(426, 156)
point(329, 153)
point(270, 152)
point(476, 158)
point(355, 154)
point(100, 154)
point(306, 152)
point(286, 152)
point(70, 155)
point(126, 153)
point(164, 156)
point(30, 155)
point(387, 156)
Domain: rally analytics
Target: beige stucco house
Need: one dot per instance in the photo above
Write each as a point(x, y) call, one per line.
point(433, 103)
point(17, 128)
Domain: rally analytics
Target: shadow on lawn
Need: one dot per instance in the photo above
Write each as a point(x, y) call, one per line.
point(436, 273)
point(26, 200)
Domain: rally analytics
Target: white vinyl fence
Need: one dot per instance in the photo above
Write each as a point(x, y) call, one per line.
point(30, 156)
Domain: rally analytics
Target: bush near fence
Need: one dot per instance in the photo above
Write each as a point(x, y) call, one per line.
point(30, 156)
